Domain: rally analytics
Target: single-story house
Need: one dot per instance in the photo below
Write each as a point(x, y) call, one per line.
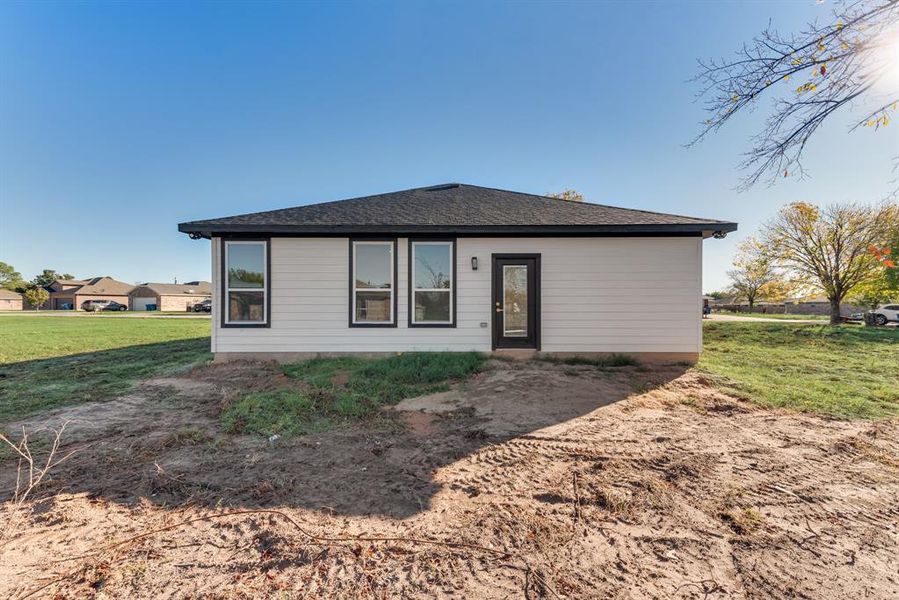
point(69, 294)
point(10, 300)
point(170, 296)
point(456, 268)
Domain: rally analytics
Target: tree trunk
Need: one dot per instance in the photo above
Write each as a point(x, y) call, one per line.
point(834, 311)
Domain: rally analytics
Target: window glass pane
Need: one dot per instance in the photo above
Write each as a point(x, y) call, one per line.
point(246, 306)
point(432, 266)
point(432, 306)
point(373, 307)
point(515, 300)
point(246, 265)
point(373, 265)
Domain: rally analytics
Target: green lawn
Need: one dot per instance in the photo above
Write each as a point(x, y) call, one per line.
point(328, 391)
point(777, 316)
point(846, 371)
point(31, 337)
point(143, 314)
point(51, 361)
point(46, 362)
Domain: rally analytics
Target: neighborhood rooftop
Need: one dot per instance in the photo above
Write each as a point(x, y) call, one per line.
point(457, 208)
point(173, 289)
point(97, 285)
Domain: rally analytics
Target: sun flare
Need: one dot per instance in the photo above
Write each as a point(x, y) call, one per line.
point(888, 63)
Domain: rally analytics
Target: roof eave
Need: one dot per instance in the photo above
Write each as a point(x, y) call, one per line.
point(706, 229)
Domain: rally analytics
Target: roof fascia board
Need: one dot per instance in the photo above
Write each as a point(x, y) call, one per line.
point(610, 230)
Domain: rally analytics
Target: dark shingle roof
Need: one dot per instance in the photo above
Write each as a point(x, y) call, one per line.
point(455, 208)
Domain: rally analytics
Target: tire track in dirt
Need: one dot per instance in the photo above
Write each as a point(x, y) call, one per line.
point(594, 491)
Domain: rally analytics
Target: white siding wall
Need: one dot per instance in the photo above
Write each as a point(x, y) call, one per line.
point(598, 295)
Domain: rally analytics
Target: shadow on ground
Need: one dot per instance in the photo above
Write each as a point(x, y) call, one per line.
point(163, 441)
point(33, 386)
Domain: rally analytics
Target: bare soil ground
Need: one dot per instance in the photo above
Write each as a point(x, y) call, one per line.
point(530, 480)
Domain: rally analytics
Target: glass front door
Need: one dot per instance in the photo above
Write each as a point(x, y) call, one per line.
point(516, 302)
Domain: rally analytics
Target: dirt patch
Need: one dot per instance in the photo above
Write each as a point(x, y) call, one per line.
point(529, 480)
point(513, 398)
point(420, 423)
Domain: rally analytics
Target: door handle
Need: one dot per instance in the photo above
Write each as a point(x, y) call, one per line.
point(499, 310)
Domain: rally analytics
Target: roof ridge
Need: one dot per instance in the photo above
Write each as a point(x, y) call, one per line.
point(439, 186)
point(589, 203)
point(461, 206)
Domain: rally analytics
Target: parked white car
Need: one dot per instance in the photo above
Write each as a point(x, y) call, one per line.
point(886, 314)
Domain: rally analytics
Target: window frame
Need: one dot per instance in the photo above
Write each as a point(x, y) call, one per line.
point(226, 323)
point(410, 257)
point(352, 282)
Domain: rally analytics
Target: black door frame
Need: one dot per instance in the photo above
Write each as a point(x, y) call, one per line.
point(532, 342)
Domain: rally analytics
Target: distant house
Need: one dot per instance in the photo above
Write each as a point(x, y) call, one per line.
point(456, 267)
point(10, 300)
point(69, 294)
point(170, 296)
point(811, 305)
point(817, 305)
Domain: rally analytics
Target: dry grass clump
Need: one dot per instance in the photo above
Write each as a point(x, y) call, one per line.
point(743, 521)
point(870, 451)
point(613, 499)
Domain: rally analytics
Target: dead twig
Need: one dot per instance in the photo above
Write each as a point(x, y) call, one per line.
point(577, 497)
point(703, 586)
point(272, 512)
point(304, 532)
point(29, 475)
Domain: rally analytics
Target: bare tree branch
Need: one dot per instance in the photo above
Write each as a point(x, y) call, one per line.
point(808, 76)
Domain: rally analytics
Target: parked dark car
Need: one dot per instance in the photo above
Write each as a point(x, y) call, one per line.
point(98, 305)
point(94, 305)
point(204, 306)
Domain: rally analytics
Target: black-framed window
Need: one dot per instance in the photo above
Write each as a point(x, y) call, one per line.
point(432, 283)
point(373, 283)
point(245, 283)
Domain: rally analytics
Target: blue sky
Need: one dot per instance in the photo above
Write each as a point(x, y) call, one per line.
point(118, 121)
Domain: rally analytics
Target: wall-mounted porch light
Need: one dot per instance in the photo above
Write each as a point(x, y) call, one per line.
point(474, 263)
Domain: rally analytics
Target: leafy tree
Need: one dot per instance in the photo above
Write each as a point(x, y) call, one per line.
point(36, 296)
point(48, 276)
point(10, 279)
point(572, 195)
point(755, 275)
point(841, 62)
point(828, 248)
point(884, 287)
point(888, 256)
point(875, 292)
point(244, 275)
